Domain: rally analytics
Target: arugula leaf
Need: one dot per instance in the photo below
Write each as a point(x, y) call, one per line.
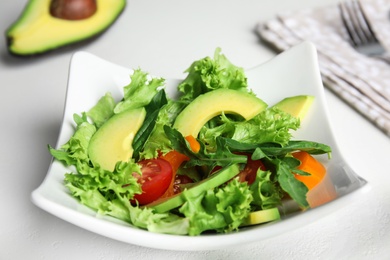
point(152, 112)
point(274, 149)
point(158, 141)
point(221, 157)
point(296, 189)
point(284, 166)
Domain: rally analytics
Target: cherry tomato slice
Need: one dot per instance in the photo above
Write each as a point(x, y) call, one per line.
point(250, 170)
point(175, 159)
point(155, 179)
point(180, 179)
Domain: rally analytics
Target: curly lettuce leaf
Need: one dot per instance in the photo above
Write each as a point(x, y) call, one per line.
point(139, 92)
point(76, 149)
point(209, 74)
point(103, 110)
point(270, 126)
point(222, 209)
point(109, 193)
point(167, 223)
point(266, 192)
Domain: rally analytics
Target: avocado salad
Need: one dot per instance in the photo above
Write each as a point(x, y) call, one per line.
point(215, 159)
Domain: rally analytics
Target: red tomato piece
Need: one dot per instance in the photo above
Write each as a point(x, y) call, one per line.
point(250, 170)
point(175, 159)
point(180, 179)
point(155, 179)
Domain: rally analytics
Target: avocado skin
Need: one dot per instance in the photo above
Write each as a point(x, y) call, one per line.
point(70, 42)
point(68, 46)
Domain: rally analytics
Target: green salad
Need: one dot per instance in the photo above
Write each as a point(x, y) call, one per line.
point(212, 160)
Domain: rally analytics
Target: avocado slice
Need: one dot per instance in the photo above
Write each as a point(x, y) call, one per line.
point(297, 106)
point(112, 142)
point(37, 30)
point(213, 103)
point(218, 178)
point(261, 216)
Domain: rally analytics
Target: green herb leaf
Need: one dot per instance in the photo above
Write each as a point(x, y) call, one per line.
point(296, 189)
point(152, 111)
point(221, 157)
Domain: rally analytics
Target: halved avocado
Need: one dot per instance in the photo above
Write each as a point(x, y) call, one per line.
point(38, 30)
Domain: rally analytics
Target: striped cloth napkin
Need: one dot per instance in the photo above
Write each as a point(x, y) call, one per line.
point(361, 81)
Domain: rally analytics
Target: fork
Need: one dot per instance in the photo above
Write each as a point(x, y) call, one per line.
point(361, 35)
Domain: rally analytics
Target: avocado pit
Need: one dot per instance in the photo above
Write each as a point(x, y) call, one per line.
point(72, 9)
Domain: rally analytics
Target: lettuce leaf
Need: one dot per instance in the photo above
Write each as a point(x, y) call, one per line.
point(103, 110)
point(266, 191)
point(139, 92)
point(76, 149)
point(270, 126)
point(209, 74)
point(167, 223)
point(222, 209)
point(109, 193)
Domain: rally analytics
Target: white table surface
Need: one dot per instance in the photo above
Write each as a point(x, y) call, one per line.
point(164, 37)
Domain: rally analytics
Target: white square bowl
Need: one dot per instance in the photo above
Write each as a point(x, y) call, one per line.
point(294, 72)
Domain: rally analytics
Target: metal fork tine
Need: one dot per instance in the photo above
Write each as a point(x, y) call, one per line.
point(356, 23)
point(365, 25)
point(347, 21)
point(358, 20)
point(358, 27)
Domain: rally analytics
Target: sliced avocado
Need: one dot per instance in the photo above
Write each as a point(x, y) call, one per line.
point(218, 178)
point(211, 104)
point(297, 106)
point(37, 30)
point(261, 216)
point(112, 142)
